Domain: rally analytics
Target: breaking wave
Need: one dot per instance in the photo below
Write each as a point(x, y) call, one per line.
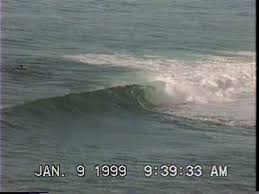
point(210, 79)
point(215, 89)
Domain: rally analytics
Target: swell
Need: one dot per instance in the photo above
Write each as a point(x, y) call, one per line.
point(115, 99)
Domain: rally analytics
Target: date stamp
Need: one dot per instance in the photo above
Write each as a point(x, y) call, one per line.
point(120, 171)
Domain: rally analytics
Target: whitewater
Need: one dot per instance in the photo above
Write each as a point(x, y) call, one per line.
point(213, 88)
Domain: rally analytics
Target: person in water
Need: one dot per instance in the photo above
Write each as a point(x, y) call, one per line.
point(21, 67)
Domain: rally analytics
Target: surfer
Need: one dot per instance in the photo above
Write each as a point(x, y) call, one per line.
point(21, 67)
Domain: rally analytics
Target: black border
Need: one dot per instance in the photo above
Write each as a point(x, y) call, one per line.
point(256, 132)
point(24, 192)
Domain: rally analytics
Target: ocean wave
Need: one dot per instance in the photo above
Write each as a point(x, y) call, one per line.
point(118, 98)
point(213, 88)
point(136, 99)
point(216, 88)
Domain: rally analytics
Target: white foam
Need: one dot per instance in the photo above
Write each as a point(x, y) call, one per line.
point(213, 83)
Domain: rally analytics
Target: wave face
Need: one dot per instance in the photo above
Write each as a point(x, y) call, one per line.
point(107, 100)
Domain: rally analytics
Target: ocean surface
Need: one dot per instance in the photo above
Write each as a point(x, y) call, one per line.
point(135, 83)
